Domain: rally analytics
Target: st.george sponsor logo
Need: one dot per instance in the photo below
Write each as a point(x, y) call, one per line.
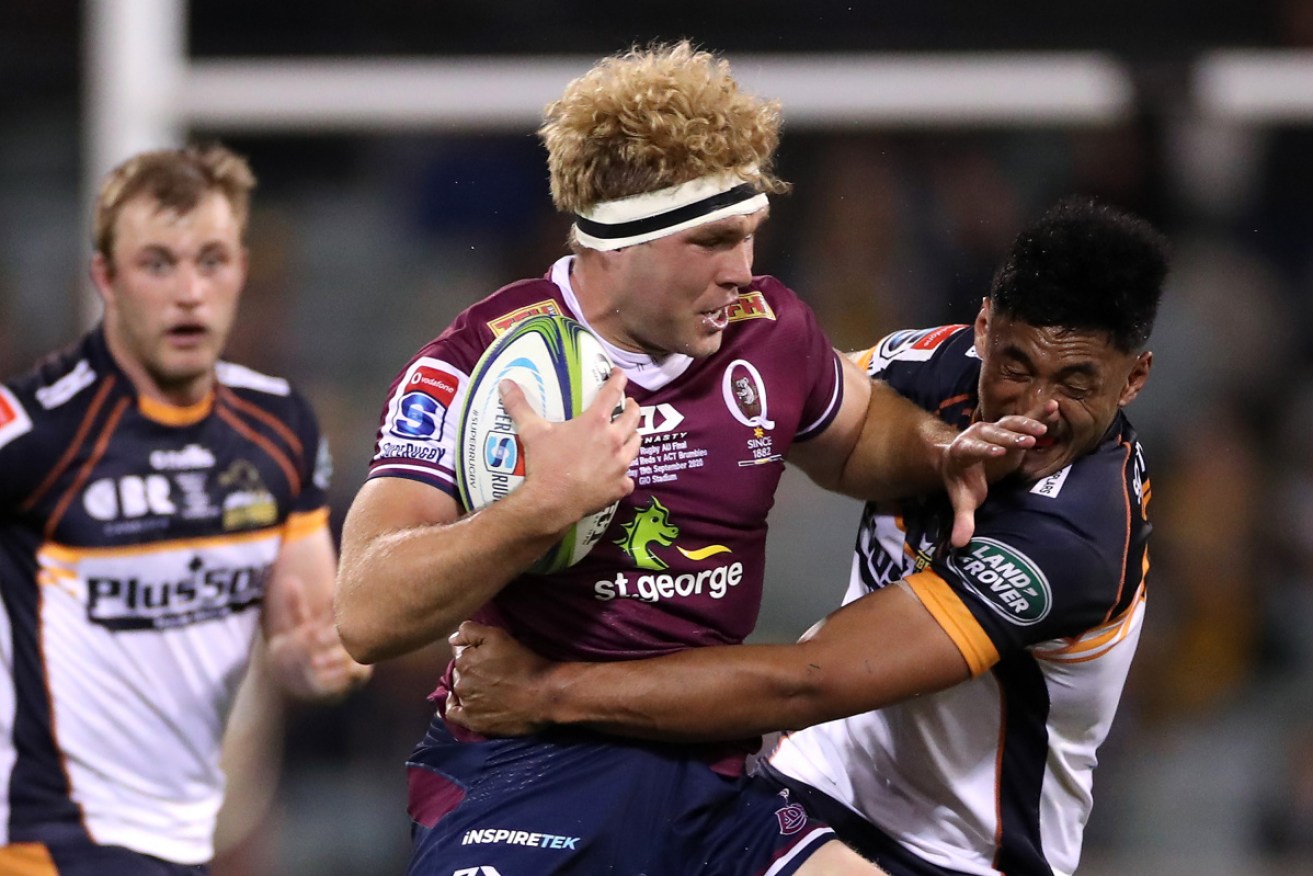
point(651, 529)
point(1005, 579)
point(502, 836)
point(203, 593)
point(714, 582)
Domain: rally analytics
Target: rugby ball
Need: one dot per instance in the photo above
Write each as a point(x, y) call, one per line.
point(560, 365)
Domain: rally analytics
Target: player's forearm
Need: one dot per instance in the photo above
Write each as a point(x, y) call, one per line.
point(900, 451)
point(702, 695)
point(404, 589)
point(877, 650)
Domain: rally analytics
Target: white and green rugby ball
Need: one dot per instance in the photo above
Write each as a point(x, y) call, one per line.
point(560, 365)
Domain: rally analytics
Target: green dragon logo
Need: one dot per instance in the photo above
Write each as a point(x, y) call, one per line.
point(650, 524)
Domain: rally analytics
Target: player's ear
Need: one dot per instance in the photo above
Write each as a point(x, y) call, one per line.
point(1136, 379)
point(982, 324)
point(102, 277)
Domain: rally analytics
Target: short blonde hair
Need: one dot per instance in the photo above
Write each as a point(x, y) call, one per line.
point(652, 118)
point(176, 179)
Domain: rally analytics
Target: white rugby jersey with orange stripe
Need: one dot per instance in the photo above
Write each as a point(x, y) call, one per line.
point(135, 543)
point(1046, 604)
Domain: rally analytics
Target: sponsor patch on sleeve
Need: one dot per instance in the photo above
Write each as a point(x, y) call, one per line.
point(66, 387)
point(1005, 579)
point(421, 418)
point(14, 420)
point(909, 345)
point(503, 323)
point(751, 305)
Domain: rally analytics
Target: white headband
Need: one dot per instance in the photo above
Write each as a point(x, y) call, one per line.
point(640, 218)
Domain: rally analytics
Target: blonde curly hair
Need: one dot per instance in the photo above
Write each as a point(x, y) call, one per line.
point(651, 118)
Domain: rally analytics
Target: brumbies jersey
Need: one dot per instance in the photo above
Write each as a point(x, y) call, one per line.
point(1046, 603)
point(683, 560)
point(135, 540)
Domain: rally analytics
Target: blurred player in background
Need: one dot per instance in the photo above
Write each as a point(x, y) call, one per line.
point(666, 166)
point(158, 509)
point(980, 680)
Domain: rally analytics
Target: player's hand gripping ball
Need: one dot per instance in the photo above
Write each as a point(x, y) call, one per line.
point(560, 365)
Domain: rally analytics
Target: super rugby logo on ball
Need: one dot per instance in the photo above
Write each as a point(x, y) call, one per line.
point(560, 366)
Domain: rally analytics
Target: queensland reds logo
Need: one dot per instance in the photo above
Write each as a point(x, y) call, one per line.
point(745, 394)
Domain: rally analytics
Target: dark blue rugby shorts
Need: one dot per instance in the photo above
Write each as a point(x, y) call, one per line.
point(582, 803)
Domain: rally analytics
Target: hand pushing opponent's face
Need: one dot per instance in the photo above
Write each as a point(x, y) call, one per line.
point(1023, 366)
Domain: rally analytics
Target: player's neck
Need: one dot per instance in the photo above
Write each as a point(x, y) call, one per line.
point(592, 289)
point(180, 393)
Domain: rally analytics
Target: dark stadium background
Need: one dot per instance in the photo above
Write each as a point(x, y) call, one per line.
point(364, 245)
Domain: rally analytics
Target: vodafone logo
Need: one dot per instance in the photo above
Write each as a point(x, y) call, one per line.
point(430, 381)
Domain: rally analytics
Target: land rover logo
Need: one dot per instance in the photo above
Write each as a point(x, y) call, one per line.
point(1005, 579)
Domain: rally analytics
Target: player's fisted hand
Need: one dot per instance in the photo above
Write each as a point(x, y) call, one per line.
point(495, 682)
point(330, 672)
point(582, 465)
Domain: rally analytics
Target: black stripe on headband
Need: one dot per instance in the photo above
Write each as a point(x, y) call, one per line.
point(603, 231)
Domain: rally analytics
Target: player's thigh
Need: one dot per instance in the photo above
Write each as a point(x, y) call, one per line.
point(836, 859)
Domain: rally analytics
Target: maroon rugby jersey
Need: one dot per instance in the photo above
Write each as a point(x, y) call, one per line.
point(683, 561)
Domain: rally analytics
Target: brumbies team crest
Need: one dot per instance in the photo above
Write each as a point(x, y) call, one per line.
point(248, 504)
point(745, 397)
